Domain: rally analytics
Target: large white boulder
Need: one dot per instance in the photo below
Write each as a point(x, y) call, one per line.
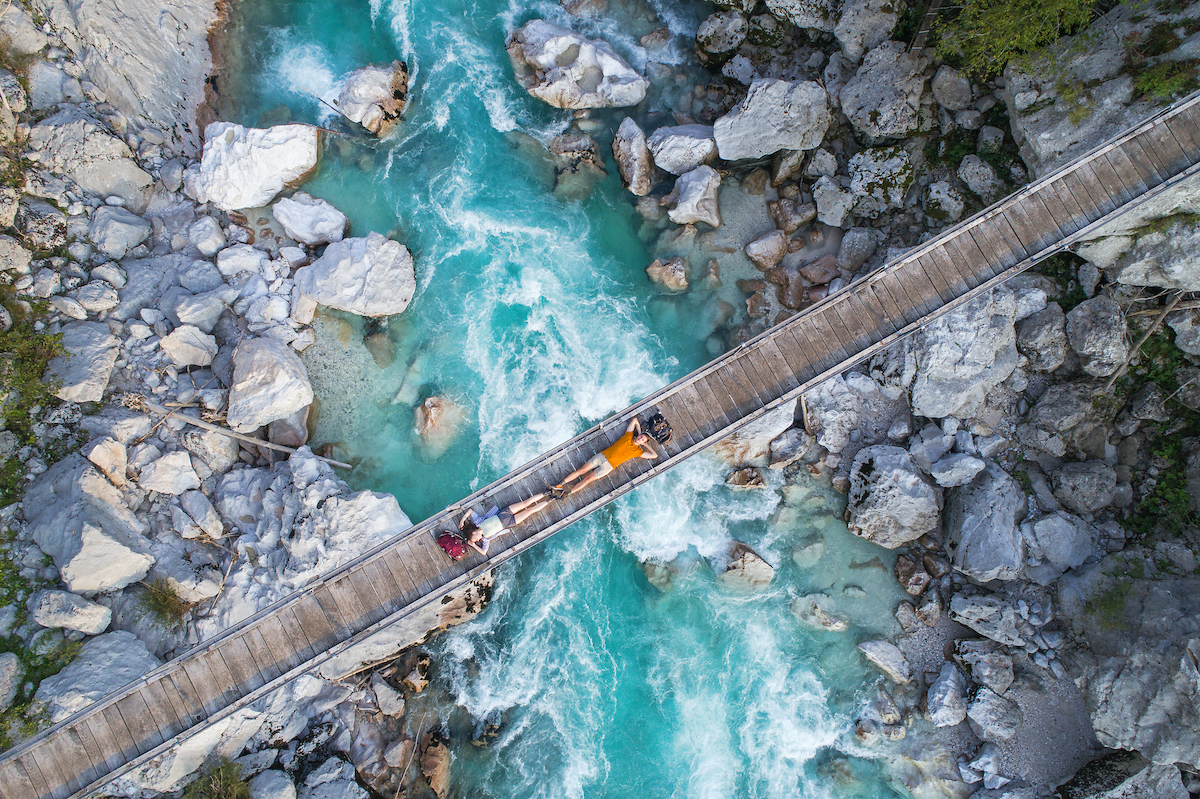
point(73, 144)
point(334, 779)
point(567, 70)
point(115, 231)
point(309, 220)
point(69, 611)
point(695, 197)
point(374, 96)
point(890, 660)
point(187, 345)
point(80, 520)
point(682, 148)
point(170, 474)
point(883, 99)
point(83, 372)
point(946, 698)
point(890, 501)
point(247, 167)
point(775, 115)
point(269, 383)
point(634, 161)
point(865, 24)
point(103, 665)
point(370, 276)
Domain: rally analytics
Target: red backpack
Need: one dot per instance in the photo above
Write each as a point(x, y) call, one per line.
point(453, 545)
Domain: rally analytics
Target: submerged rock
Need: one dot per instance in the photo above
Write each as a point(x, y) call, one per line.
point(437, 421)
point(566, 70)
point(634, 161)
point(890, 660)
point(747, 571)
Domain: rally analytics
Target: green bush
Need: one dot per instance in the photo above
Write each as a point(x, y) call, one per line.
point(163, 601)
point(1167, 80)
point(219, 780)
point(987, 34)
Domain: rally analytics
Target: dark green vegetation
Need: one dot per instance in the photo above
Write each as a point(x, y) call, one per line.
point(1109, 606)
point(1163, 80)
point(1061, 269)
point(163, 602)
point(987, 34)
point(219, 780)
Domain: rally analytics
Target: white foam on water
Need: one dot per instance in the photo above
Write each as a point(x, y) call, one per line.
point(304, 69)
point(485, 78)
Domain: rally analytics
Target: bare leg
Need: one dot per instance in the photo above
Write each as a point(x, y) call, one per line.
point(537, 507)
point(517, 507)
point(582, 470)
point(592, 477)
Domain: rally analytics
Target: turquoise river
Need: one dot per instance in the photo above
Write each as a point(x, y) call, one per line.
point(534, 314)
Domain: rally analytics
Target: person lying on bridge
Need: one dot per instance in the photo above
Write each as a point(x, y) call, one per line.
point(480, 530)
point(633, 444)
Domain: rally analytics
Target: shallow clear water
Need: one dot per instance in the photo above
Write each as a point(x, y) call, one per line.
point(535, 316)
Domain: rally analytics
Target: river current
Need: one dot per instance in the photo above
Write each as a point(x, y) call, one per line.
point(533, 314)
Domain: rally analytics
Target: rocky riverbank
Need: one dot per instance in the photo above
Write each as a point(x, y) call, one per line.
point(1045, 519)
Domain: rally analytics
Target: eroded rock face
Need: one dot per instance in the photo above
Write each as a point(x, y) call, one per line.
point(890, 660)
point(269, 383)
point(634, 161)
point(890, 501)
point(883, 99)
point(69, 611)
point(982, 521)
point(719, 35)
point(775, 115)
point(567, 70)
point(115, 231)
point(818, 15)
point(880, 177)
point(946, 699)
point(747, 571)
point(375, 96)
point(105, 663)
point(964, 355)
point(73, 144)
point(750, 444)
point(370, 276)
point(1164, 258)
point(247, 167)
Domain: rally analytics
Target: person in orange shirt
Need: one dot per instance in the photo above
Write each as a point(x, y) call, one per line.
point(633, 444)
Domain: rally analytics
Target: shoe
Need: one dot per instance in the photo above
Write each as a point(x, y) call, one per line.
point(557, 492)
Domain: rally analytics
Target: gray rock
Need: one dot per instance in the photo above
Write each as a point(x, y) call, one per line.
point(818, 15)
point(44, 226)
point(206, 235)
point(73, 144)
point(719, 36)
point(334, 779)
point(880, 177)
point(203, 311)
point(682, 148)
point(1149, 404)
point(269, 383)
point(821, 162)
point(951, 89)
point(189, 346)
point(69, 611)
point(272, 784)
point(695, 197)
point(84, 371)
point(833, 201)
point(986, 664)
point(942, 202)
point(1096, 331)
point(990, 616)
point(1165, 257)
point(890, 502)
point(219, 452)
point(812, 610)
point(848, 413)
point(11, 674)
point(1056, 543)
point(105, 663)
point(767, 250)
point(308, 220)
point(201, 511)
point(170, 474)
point(97, 297)
point(858, 244)
point(633, 158)
point(982, 526)
point(21, 34)
point(567, 70)
point(957, 469)
point(946, 699)
point(980, 178)
point(13, 257)
point(370, 276)
point(864, 25)
point(964, 355)
point(1084, 487)
point(883, 99)
point(775, 115)
point(890, 660)
point(997, 717)
point(1042, 338)
point(1186, 325)
point(249, 167)
point(115, 231)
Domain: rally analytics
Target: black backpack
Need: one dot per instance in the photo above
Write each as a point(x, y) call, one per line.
point(658, 428)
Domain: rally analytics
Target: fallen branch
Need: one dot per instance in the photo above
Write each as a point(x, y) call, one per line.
point(1183, 306)
point(1149, 332)
point(139, 401)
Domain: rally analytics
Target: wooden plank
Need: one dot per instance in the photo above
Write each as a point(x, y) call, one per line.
point(419, 566)
point(342, 617)
point(847, 328)
point(950, 266)
point(74, 754)
point(366, 597)
point(320, 630)
point(825, 336)
point(683, 427)
point(1133, 168)
point(56, 766)
point(888, 302)
point(33, 773)
point(740, 390)
point(798, 359)
point(122, 737)
point(391, 597)
point(870, 316)
point(168, 717)
point(1068, 217)
point(1186, 133)
point(1017, 215)
point(946, 282)
point(1172, 159)
point(230, 691)
point(964, 251)
point(1005, 248)
point(106, 742)
point(1102, 180)
point(777, 363)
point(798, 338)
point(183, 695)
point(910, 302)
point(718, 405)
point(395, 564)
point(242, 665)
point(269, 662)
point(284, 652)
point(210, 692)
point(140, 723)
point(1141, 149)
point(95, 754)
point(763, 382)
point(1077, 186)
point(14, 782)
point(703, 416)
point(1038, 220)
point(437, 559)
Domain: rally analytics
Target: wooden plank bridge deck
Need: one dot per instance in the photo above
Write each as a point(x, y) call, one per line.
point(297, 634)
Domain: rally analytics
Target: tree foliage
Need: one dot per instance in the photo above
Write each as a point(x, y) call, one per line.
point(987, 34)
